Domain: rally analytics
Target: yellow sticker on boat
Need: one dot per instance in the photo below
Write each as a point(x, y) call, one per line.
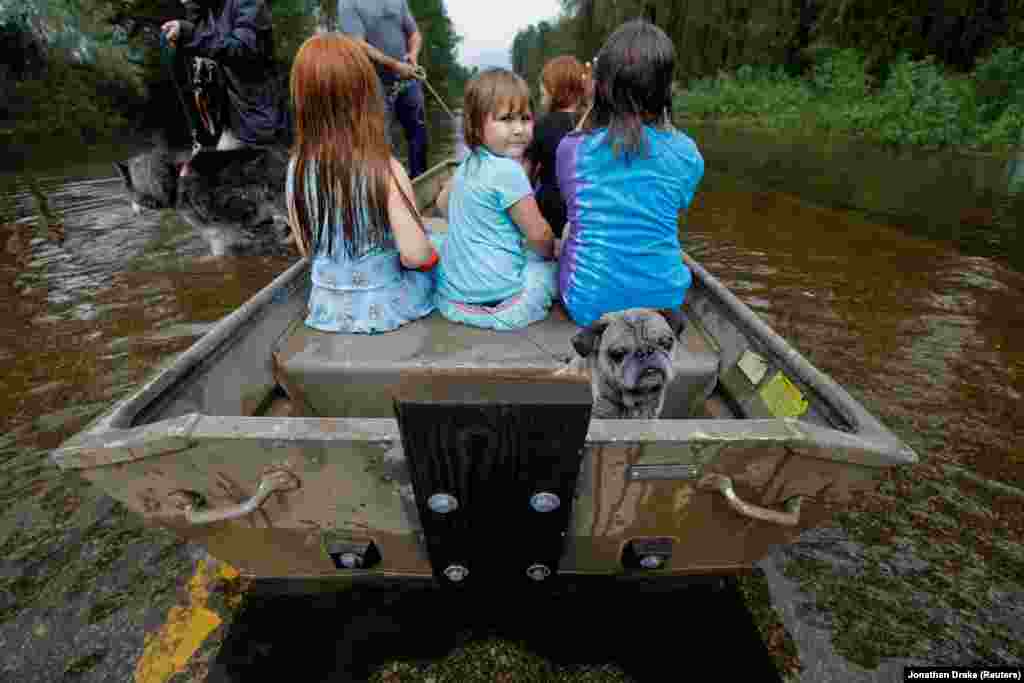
point(782, 397)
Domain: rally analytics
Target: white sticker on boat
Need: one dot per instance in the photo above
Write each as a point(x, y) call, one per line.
point(753, 366)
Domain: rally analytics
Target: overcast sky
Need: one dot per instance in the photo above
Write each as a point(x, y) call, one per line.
point(487, 27)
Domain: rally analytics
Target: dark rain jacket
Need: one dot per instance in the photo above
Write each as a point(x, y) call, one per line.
point(238, 35)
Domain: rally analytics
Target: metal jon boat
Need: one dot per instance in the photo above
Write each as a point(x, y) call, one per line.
point(449, 453)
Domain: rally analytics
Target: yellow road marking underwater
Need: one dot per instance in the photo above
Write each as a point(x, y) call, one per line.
point(187, 627)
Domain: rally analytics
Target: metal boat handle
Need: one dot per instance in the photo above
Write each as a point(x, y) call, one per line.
point(791, 517)
point(192, 503)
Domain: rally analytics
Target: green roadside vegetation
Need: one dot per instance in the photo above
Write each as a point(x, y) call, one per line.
point(87, 102)
point(907, 73)
point(908, 103)
point(66, 74)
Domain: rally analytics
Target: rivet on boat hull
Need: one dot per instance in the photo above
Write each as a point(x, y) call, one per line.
point(442, 503)
point(545, 502)
point(351, 561)
point(456, 573)
point(538, 572)
point(651, 562)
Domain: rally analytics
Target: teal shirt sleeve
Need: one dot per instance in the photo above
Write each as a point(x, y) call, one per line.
point(510, 182)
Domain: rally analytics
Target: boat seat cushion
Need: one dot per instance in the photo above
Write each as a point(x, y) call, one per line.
point(357, 375)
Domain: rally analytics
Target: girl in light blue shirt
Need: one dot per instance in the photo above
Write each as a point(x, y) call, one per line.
point(496, 267)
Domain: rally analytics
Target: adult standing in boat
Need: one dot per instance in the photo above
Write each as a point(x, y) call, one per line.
point(392, 39)
point(235, 38)
point(625, 177)
point(350, 202)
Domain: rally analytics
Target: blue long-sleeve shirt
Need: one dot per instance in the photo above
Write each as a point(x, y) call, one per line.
point(238, 35)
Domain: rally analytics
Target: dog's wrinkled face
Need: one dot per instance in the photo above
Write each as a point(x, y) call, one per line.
point(631, 356)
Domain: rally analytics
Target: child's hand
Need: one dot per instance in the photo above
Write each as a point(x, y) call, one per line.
point(176, 30)
point(442, 197)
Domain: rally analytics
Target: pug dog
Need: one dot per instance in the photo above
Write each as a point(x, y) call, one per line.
point(631, 357)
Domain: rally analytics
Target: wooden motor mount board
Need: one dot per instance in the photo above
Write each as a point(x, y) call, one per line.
point(493, 462)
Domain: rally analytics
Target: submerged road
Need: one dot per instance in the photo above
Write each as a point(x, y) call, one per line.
point(928, 571)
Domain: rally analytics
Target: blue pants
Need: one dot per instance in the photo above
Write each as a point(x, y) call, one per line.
point(409, 107)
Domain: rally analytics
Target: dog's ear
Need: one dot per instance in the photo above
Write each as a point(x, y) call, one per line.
point(585, 341)
point(675, 319)
point(122, 170)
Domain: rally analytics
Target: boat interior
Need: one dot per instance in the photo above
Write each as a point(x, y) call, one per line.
point(326, 374)
point(266, 362)
point(323, 374)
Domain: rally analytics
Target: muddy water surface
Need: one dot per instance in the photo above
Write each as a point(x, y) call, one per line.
point(929, 338)
point(92, 299)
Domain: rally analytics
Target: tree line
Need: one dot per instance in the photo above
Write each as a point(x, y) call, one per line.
point(721, 35)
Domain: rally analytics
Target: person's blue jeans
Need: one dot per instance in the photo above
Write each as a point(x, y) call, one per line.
point(410, 109)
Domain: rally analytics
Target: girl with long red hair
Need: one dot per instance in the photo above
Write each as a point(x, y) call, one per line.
point(350, 202)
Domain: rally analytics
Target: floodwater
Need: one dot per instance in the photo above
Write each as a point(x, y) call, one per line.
point(921, 324)
point(927, 336)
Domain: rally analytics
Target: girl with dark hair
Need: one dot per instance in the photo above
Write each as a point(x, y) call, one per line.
point(625, 177)
point(350, 202)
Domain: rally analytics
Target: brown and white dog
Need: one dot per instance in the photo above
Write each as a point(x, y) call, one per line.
point(631, 357)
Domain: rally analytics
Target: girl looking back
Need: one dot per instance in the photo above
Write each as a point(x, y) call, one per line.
point(350, 203)
point(625, 177)
point(495, 270)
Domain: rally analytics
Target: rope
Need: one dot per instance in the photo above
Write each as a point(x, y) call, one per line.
point(421, 75)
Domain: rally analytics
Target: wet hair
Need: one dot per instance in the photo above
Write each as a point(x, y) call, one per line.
point(632, 84)
point(493, 91)
point(339, 140)
point(564, 78)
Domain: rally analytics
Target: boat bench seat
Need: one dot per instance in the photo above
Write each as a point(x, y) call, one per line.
point(357, 375)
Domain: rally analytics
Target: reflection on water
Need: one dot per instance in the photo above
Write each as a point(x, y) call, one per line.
point(972, 200)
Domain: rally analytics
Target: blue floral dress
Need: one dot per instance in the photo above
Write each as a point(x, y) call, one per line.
point(369, 293)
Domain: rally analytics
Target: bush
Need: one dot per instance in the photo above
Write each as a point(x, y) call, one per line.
point(920, 106)
point(841, 74)
point(73, 100)
point(999, 83)
point(753, 91)
point(1006, 130)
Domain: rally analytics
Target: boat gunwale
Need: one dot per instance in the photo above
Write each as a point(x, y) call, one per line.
point(115, 429)
point(111, 447)
point(862, 423)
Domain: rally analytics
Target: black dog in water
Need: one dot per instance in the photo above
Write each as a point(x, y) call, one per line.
point(243, 187)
